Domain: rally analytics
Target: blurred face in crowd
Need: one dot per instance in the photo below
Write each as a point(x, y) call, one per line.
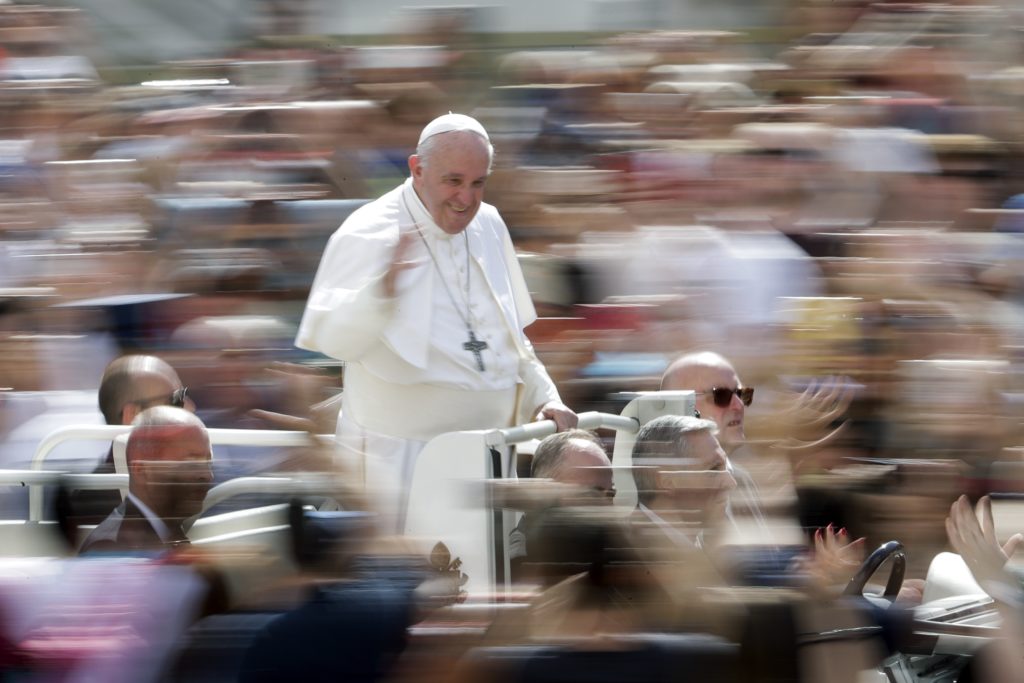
point(585, 464)
point(450, 178)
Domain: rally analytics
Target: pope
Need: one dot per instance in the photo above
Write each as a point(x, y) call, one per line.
point(421, 295)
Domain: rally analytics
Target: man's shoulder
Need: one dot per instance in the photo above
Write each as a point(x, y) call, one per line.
point(124, 529)
point(105, 535)
point(376, 218)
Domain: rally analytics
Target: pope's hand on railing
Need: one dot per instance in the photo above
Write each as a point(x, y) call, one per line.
point(563, 416)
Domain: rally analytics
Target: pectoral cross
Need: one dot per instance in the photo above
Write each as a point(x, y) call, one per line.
point(476, 346)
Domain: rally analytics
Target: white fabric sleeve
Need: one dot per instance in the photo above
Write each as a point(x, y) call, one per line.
point(347, 309)
point(538, 387)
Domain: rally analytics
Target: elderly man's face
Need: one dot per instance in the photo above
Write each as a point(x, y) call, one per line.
point(450, 183)
point(585, 464)
point(728, 418)
point(178, 473)
point(701, 482)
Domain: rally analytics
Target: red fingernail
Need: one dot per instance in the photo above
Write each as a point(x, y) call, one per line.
point(842, 532)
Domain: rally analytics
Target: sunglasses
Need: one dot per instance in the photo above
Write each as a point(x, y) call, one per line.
point(175, 399)
point(722, 397)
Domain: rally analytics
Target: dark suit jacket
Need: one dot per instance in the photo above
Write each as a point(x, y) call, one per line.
point(347, 631)
point(125, 529)
point(87, 507)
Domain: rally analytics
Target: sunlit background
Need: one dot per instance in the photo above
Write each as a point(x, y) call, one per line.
point(820, 190)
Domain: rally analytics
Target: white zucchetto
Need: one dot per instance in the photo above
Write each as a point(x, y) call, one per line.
point(452, 122)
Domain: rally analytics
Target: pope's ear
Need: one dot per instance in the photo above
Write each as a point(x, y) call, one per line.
point(414, 166)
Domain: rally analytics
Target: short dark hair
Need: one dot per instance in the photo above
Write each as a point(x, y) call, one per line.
point(547, 458)
point(119, 385)
point(115, 391)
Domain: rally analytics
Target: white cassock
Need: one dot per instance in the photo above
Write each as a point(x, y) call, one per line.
point(408, 377)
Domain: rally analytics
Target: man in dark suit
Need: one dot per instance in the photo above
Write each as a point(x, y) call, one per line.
point(130, 385)
point(169, 474)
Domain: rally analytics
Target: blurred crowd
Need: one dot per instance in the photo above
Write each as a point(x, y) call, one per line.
point(835, 203)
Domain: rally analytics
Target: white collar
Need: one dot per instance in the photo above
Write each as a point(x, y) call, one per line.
point(424, 221)
point(159, 526)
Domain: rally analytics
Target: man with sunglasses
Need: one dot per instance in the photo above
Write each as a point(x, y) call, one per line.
point(723, 399)
point(720, 395)
point(130, 385)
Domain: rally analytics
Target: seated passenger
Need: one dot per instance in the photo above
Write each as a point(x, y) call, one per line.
point(682, 478)
point(684, 487)
point(169, 474)
point(575, 458)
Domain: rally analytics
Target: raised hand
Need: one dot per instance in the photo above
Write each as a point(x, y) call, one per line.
point(975, 541)
point(400, 261)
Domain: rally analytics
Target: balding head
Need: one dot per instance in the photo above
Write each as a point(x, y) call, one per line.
point(701, 372)
point(575, 457)
point(130, 384)
point(169, 459)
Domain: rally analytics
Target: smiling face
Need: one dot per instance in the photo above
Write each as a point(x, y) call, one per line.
point(450, 178)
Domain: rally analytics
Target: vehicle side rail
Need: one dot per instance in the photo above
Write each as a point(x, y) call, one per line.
point(234, 437)
point(538, 430)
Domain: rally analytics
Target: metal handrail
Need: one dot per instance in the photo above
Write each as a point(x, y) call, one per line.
point(306, 484)
point(218, 436)
point(250, 437)
point(49, 477)
point(538, 430)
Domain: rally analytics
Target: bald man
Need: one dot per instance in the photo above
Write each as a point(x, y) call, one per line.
point(575, 457)
point(130, 384)
point(169, 474)
point(723, 399)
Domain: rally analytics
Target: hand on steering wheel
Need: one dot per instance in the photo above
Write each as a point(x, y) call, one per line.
point(893, 549)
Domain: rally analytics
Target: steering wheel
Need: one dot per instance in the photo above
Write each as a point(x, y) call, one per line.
point(893, 549)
